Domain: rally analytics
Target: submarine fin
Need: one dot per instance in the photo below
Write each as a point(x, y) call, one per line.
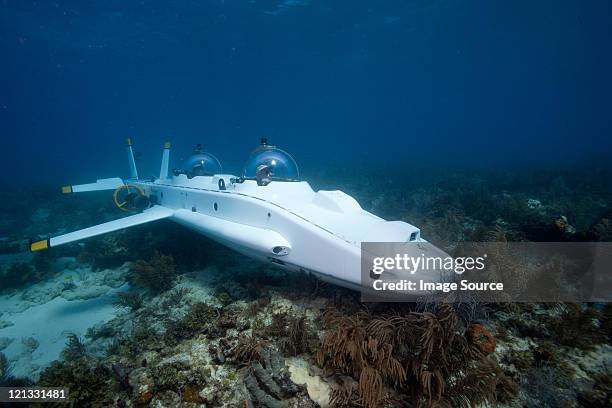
point(100, 184)
point(163, 172)
point(131, 161)
point(152, 214)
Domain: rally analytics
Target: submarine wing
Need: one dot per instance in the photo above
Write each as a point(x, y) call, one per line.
point(152, 214)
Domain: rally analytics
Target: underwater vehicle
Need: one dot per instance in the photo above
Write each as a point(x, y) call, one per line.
point(267, 213)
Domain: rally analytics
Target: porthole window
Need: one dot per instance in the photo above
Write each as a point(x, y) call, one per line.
point(215, 206)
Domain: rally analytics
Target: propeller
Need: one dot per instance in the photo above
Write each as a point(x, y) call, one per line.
point(130, 198)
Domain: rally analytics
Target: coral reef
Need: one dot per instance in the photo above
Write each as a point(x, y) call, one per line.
point(201, 326)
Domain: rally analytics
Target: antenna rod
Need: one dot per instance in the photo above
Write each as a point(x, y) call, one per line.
point(163, 172)
point(132, 162)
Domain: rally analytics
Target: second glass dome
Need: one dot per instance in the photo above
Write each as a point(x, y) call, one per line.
point(202, 164)
point(280, 165)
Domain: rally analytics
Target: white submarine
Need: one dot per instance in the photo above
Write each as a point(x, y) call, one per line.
point(268, 213)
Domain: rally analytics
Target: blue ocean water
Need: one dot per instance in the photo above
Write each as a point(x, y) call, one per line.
point(472, 120)
point(439, 83)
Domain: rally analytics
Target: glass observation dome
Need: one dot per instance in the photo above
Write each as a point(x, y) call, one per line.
point(269, 163)
point(201, 163)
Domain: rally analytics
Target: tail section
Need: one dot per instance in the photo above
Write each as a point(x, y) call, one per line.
point(130, 152)
point(107, 183)
point(126, 197)
point(163, 172)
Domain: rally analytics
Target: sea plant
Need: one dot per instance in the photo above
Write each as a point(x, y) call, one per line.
point(606, 320)
point(131, 300)
point(198, 319)
point(257, 306)
point(602, 229)
point(222, 295)
point(549, 387)
point(43, 261)
point(172, 375)
point(599, 395)
point(345, 394)
point(88, 380)
point(5, 369)
point(101, 331)
point(189, 249)
point(75, 348)
point(6, 377)
point(18, 275)
point(424, 355)
point(157, 274)
point(293, 332)
point(89, 383)
point(249, 349)
point(104, 252)
point(175, 297)
point(578, 326)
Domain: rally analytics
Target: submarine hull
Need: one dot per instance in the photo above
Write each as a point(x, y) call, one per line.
point(285, 223)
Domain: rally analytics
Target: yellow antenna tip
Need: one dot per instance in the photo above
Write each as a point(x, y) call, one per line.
point(39, 245)
point(128, 141)
point(167, 145)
